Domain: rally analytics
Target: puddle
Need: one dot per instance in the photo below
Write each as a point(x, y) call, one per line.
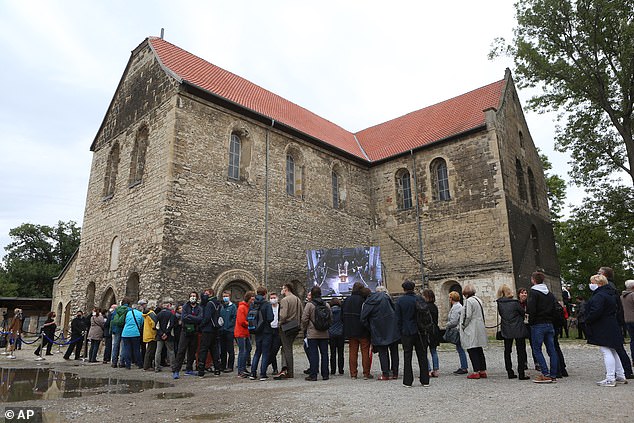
point(46, 384)
point(174, 395)
point(209, 416)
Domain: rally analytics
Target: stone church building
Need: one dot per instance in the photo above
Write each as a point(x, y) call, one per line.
point(201, 178)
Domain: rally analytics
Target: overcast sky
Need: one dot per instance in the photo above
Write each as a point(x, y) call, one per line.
point(355, 63)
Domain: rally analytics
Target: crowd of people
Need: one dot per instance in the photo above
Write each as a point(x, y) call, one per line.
point(202, 333)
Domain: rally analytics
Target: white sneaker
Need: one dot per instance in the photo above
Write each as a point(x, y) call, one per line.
point(607, 382)
point(621, 380)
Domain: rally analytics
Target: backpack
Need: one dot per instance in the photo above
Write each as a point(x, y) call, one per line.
point(119, 316)
point(424, 319)
point(255, 321)
point(323, 315)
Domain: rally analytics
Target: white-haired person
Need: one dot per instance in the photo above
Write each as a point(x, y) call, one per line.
point(473, 333)
point(602, 329)
point(627, 299)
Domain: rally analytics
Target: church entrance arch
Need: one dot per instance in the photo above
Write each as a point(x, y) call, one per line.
point(108, 298)
point(132, 287)
point(237, 281)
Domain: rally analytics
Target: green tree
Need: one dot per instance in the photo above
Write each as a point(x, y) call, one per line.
point(36, 254)
point(556, 187)
point(580, 54)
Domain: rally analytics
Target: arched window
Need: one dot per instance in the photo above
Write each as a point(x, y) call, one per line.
point(521, 184)
point(535, 245)
point(521, 139)
point(137, 162)
point(335, 190)
point(114, 253)
point(112, 165)
point(440, 180)
point(290, 175)
point(531, 189)
point(235, 145)
point(403, 189)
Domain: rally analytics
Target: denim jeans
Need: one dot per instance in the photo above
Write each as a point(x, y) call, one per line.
point(132, 351)
point(244, 349)
point(544, 333)
point(462, 356)
point(434, 359)
point(94, 349)
point(262, 350)
point(116, 342)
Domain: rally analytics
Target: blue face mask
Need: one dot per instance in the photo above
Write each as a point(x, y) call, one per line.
point(225, 299)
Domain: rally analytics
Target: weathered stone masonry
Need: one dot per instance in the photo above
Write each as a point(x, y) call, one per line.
point(187, 225)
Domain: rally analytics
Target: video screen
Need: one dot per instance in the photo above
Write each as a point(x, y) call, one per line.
point(336, 270)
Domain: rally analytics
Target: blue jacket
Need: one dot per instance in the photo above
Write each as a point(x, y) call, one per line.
point(192, 315)
point(406, 314)
point(228, 313)
point(132, 329)
point(267, 313)
point(602, 327)
point(379, 315)
point(336, 328)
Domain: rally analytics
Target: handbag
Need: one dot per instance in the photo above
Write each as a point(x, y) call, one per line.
point(452, 335)
point(290, 325)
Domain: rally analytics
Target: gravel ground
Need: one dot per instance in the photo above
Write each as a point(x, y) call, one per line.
point(449, 398)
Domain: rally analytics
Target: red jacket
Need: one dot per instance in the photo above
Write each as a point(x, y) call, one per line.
point(241, 329)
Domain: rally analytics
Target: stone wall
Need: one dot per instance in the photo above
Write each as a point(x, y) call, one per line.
point(134, 215)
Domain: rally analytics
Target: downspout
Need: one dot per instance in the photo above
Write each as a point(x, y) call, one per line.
point(418, 224)
point(266, 209)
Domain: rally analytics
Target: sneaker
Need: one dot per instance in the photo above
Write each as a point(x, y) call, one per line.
point(191, 373)
point(217, 372)
point(383, 377)
point(252, 377)
point(176, 375)
point(425, 385)
point(310, 378)
point(607, 382)
point(227, 371)
point(407, 386)
point(460, 372)
point(621, 381)
point(262, 378)
point(483, 375)
point(474, 376)
point(366, 377)
point(542, 379)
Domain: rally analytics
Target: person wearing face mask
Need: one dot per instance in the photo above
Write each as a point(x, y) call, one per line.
point(209, 330)
point(540, 309)
point(228, 313)
point(192, 316)
point(276, 342)
point(602, 329)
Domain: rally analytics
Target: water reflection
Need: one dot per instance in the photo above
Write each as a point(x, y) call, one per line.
point(33, 384)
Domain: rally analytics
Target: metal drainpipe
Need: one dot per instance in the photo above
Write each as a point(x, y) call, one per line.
point(266, 210)
point(418, 224)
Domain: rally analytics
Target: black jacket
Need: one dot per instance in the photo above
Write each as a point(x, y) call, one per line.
point(406, 314)
point(379, 315)
point(540, 307)
point(211, 312)
point(602, 327)
point(512, 318)
point(352, 327)
point(165, 322)
point(77, 326)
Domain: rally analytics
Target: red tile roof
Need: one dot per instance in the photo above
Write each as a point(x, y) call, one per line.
point(407, 132)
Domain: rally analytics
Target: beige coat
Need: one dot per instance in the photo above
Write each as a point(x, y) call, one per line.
point(307, 323)
point(290, 309)
point(473, 333)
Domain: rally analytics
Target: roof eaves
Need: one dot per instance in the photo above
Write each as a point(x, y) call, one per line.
point(473, 130)
point(237, 107)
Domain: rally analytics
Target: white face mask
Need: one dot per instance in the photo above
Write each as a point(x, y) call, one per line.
point(94, 313)
point(192, 299)
point(593, 286)
point(273, 300)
